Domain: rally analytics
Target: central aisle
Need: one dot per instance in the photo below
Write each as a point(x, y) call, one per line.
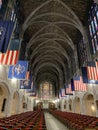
point(53, 124)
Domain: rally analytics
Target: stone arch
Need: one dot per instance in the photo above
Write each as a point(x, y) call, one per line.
point(75, 18)
point(4, 98)
point(15, 102)
point(89, 105)
point(76, 103)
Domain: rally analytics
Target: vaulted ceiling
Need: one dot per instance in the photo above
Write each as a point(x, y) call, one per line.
point(51, 29)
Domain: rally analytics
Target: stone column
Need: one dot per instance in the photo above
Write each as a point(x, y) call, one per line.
point(62, 104)
point(19, 105)
point(81, 106)
point(67, 106)
point(9, 106)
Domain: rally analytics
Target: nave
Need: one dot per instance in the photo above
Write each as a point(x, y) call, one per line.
point(51, 120)
point(36, 120)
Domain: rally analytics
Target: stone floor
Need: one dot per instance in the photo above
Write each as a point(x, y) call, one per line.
point(53, 124)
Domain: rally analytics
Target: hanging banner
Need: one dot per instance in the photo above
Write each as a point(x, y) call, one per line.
point(18, 71)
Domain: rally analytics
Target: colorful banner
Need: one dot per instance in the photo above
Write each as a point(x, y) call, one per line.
point(18, 71)
point(26, 84)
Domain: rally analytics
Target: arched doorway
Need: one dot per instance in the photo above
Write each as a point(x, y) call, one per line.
point(70, 105)
point(39, 105)
point(51, 105)
point(89, 106)
point(15, 102)
point(3, 99)
point(77, 105)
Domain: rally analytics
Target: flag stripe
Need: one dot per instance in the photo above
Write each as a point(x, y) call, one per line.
point(92, 73)
point(10, 58)
point(68, 89)
point(79, 85)
point(15, 59)
point(12, 54)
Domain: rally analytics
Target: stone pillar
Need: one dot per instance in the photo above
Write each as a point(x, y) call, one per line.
point(96, 113)
point(67, 106)
point(29, 105)
point(19, 105)
point(62, 105)
point(81, 106)
point(9, 106)
point(73, 106)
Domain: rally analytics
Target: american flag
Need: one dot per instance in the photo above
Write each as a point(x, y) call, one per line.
point(12, 54)
point(92, 70)
point(78, 84)
point(69, 90)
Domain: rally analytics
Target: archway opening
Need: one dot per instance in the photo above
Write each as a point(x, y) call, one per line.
point(90, 108)
point(3, 100)
point(51, 106)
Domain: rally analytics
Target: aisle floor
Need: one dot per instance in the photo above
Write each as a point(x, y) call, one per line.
point(53, 124)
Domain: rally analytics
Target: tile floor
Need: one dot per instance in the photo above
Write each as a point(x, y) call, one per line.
point(53, 124)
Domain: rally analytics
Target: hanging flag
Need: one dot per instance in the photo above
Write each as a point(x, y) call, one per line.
point(26, 84)
point(92, 71)
point(18, 71)
point(86, 78)
point(6, 29)
point(12, 54)
point(77, 84)
point(68, 90)
point(63, 92)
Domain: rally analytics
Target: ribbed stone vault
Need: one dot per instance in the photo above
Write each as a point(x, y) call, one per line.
point(51, 30)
